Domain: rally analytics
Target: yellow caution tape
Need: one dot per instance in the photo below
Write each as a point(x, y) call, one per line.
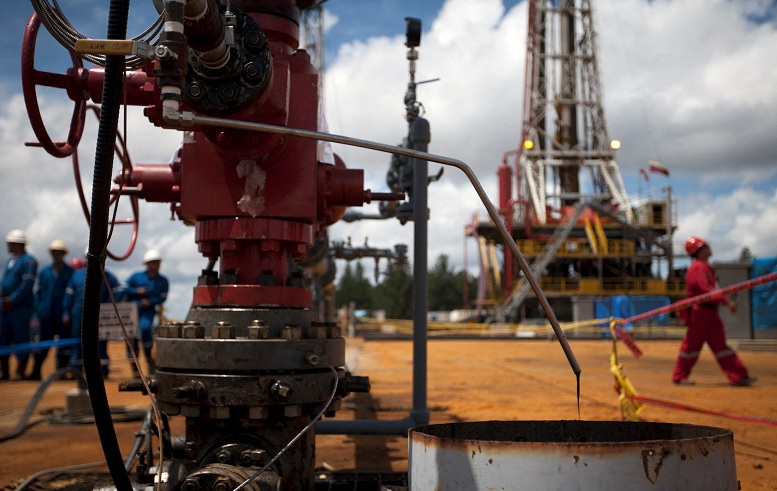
point(630, 407)
point(404, 326)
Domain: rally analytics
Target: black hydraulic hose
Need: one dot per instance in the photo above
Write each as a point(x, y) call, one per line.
point(24, 422)
point(98, 232)
point(140, 436)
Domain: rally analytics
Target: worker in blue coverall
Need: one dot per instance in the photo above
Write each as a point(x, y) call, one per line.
point(148, 289)
point(72, 306)
point(49, 293)
point(16, 301)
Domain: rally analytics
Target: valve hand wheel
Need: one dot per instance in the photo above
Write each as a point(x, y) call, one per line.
point(120, 149)
point(74, 81)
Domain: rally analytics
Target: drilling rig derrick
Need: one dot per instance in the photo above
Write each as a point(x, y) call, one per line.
point(571, 215)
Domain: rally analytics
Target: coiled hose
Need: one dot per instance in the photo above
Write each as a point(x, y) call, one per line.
point(63, 31)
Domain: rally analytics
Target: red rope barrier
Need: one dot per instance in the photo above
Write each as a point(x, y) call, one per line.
point(684, 407)
point(705, 297)
point(685, 303)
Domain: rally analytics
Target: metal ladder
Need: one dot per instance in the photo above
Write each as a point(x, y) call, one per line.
point(546, 255)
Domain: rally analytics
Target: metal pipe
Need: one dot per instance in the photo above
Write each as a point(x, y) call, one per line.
point(386, 196)
point(188, 119)
point(419, 138)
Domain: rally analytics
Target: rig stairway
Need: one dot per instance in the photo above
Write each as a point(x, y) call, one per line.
point(546, 255)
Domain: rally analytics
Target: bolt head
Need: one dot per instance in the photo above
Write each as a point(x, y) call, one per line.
point(190, 485)
point(223, 457)
point(254, 42)
point(252, 73)
point(195, 91)
point(222, 484)
point(228, 93)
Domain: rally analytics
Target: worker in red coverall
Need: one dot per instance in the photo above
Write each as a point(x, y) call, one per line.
point(704, 323)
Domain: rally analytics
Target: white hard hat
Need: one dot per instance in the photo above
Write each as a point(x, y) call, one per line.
point(151, 255)
point(58, 245)
point(16, 236)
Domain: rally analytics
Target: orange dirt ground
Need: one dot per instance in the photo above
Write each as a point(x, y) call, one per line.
point(469, 380)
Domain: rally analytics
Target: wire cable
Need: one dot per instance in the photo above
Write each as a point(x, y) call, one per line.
point(57, 470)
point(299, 435)
point(63, 31)
point(24, 423)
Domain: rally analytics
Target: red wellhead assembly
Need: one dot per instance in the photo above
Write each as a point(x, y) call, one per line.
point(250, 368)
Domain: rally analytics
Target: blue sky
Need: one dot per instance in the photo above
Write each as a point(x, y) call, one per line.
point(690, 83)
point(361, 20)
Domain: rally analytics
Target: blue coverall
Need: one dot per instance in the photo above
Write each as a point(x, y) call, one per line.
point(72, 306)
point(49, 293)
point(156, 293)
point(16, 285)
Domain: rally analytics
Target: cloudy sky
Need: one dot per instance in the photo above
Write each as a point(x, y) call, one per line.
point(689, 83)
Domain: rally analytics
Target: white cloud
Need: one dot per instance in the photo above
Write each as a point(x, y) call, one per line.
point(330, 20)
point(691, 74)
point(731, 222)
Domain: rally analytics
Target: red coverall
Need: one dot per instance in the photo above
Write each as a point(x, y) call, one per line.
point(704, 324)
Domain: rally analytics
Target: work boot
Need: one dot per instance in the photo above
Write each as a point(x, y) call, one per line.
point(151, 364)
point(745, 382)
point(4, 369)
point(134, 371)
point(20, 369)
point(36, 368)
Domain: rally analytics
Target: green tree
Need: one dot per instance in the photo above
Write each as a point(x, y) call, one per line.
point(446, 287)
point(395, 293)
point(745, 255)
point(354, 287)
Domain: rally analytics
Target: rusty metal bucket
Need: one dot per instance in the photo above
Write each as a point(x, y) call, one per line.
point(563, 455)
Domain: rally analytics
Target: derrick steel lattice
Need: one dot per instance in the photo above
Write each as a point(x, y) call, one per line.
point(566, 152)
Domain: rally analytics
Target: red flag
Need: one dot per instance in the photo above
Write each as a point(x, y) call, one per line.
point(644, 174)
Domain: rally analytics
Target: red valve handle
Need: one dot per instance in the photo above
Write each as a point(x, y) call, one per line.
point(120, 149)
point(74, 81)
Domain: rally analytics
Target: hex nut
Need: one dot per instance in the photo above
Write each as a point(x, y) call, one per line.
point(292, 411)
point(223, 330)
point(290, 331)
point(334, 331)
point(258, 330)
point(258, 412)
point(170, 330)
point(219, 412)
point(253, 457)
point(316, 332)
point(192, 330)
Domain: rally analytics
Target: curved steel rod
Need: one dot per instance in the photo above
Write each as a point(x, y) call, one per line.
point(189, 119)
